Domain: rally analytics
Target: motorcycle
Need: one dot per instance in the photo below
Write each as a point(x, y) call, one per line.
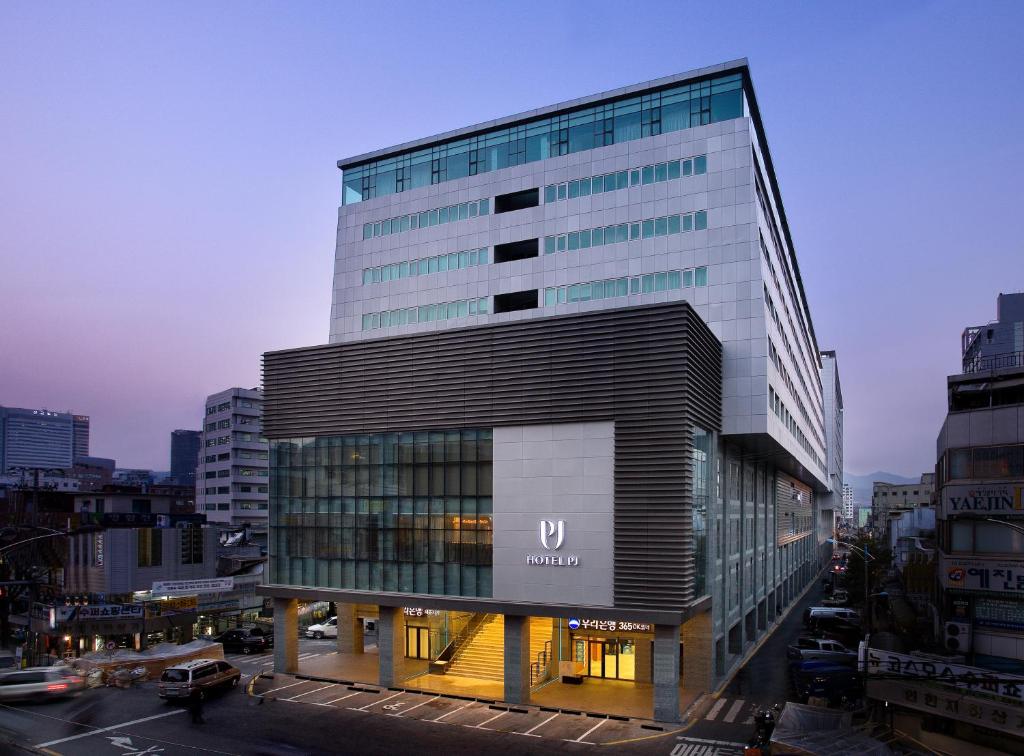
point(764, 726)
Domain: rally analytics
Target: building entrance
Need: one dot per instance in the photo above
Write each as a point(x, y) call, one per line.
point(417, 642)
point(610, 658)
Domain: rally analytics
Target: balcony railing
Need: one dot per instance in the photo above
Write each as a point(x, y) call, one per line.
point(978, 363)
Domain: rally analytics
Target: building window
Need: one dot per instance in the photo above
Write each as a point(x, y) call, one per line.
point(407, 512)
point(150, 547)
point(192, 545)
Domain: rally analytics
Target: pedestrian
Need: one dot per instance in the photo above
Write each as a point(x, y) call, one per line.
point(195, 708)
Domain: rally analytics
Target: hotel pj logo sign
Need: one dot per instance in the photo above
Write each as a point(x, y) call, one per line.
point(552, 536)
point(987, 498)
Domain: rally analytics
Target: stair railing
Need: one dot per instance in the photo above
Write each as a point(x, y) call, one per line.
point(449, 651)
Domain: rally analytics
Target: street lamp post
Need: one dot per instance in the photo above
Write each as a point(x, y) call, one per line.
point(866, 556)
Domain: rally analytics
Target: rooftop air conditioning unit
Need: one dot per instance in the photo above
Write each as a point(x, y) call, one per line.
point(957, 636)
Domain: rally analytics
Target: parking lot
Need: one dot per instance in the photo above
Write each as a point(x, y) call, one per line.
point(439, 711)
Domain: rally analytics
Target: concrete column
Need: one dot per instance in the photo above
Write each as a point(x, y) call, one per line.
point(698, 653)
point(286, 635)
point(643, 660)
point(350, 630)
point(517, 659)
point(391, 645)
point(666, 673)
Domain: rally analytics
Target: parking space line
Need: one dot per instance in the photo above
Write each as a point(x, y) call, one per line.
point(374, 703)
point(398, 714)
point(328, 703)
point(481, 725)
point(453, 711)
point(537, 727)
point(716, 708)
point(315, 690)
point(283, 687)
point(733, 711)
point(592, 729)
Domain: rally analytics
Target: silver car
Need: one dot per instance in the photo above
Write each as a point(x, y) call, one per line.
point(40, 684)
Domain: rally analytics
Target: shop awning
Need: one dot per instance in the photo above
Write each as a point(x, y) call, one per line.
point(823, 732)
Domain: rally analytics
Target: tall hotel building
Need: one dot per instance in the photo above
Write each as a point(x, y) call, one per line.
point(569, 425)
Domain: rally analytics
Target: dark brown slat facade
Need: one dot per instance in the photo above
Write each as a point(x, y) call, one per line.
point(654, 370)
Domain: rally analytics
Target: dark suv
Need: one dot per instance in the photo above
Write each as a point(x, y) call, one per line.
point(245, 640)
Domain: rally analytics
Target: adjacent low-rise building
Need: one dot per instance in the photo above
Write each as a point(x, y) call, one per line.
point(889, 499)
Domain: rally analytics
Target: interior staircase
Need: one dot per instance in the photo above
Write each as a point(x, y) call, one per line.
point(483, 655)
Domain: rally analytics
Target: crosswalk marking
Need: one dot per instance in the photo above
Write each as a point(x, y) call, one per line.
point(716, 708)
point(733, 711)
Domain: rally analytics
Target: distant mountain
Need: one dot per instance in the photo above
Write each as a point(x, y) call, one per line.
point(861, 484)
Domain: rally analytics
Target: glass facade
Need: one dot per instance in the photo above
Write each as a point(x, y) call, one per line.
point(426, 265)
point(703, 442)
point(644, 229)
point(404, 512)
point(673, 108)
point(621, 287)
point(462, 308)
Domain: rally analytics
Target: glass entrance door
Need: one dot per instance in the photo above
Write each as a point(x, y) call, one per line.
point(417, 642)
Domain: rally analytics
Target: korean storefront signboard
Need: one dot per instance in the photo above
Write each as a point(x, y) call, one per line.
point(192, 587)
point(996, 575)
point(984, 713)
point(170, 606)
point(609, 626)
point(965, 679)
point(983, 498)
point(94, 612)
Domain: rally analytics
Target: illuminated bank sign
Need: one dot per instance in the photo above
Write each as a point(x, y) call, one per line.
point(984, 499)
point(552, 536)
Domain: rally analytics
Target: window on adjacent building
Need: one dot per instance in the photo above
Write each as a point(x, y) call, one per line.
point(150, 547)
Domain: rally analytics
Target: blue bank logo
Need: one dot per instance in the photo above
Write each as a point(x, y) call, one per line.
point(574, 624)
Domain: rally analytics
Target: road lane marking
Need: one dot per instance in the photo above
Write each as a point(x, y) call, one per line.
point(453, 711)
point(413, 708)
point(537, 727)
point(374, 703)
point(716, 708)
point(733, 711)
point(592, 729)
point(315, 690)
point(283, 687)
point(49, 743)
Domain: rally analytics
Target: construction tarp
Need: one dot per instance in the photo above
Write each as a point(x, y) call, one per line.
point(823, 732)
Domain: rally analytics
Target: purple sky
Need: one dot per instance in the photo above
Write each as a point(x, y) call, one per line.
point(170, 191)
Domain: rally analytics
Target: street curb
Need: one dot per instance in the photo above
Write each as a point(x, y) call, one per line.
point(25, 748)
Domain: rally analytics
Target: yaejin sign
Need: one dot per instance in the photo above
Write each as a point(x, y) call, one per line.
point(987, 498)
point(552, 536)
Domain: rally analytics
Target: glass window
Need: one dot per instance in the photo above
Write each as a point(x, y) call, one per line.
point(648, 228)
point(688, 167)
point(597, 185)
point(700, 220)
point(549, 245)
point(597, 237)
point(634, 177)
point(687, 279)
point(634, 231)
point(574, 240)
point(561, 191)
point(688, 222)
point(701, 276)
point(660, 226)
point(660, 281)
point(550, 296)
point(549, 193)
point(647, 284)
point(960, 463)
point(700, 164)
point(648, 174)
point(673, 224)
point(674, 279)
point(661, 172)
point(961, 536)
point(620, 233)
point(634, 286)
point(485, 206)
point(442, 263)
point(609, 182)
point(561, 243)
point(574, 189)
point(673, 170)
point(367, 230)
point(622, 179)
point(585, 187)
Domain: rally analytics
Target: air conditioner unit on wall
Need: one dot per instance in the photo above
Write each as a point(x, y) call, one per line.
point(957, 636)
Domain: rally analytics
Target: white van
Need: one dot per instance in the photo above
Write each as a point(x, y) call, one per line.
point(814, 613)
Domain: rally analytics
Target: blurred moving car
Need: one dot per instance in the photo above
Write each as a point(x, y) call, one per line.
point(40, 684)
point(326, 629)
point(839, 597)
point(833, 682)
point(198, 677)
point(252, 640)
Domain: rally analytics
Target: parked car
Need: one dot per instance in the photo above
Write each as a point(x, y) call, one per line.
point(815, 614)
point(807, 648)
point(198, 677)
point(832, 682)
point(839, 597)
point(252, 640)
point(40, 683)
point(326, 629)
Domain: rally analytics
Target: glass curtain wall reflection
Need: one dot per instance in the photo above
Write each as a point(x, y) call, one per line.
point(702, 444)
point(405, 512)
